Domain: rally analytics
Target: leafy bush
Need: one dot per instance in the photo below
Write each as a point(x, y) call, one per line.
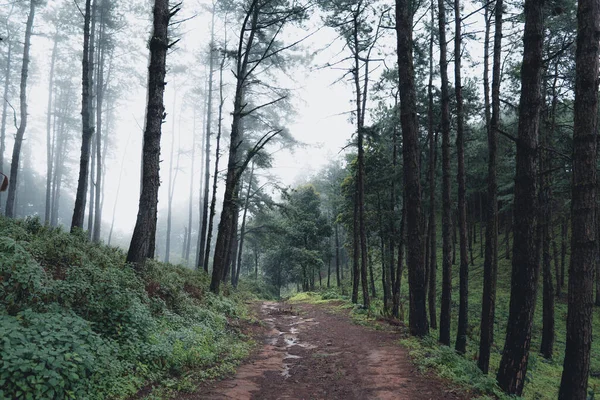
point(54, 355)
point(77, 322)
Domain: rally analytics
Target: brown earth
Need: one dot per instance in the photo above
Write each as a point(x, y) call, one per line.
point(309, 352)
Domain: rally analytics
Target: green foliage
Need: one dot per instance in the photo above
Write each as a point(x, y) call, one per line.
point(55, 355)
point(77, 322)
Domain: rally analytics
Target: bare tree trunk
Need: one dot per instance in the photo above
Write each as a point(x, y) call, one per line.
point(14, 166)
point(490, 265)
point(234, 167)
point(525, 261)
point(99, 104)
point(463, 309)
point(243, 227)
point(337, 256)
point(576, 367)
point(49, 139)
point(92, 184)
point(432, 138)
point(144, 235)
point(87, 127)
point(188, 236)
point(206, 182)
point(7, 77)
point(217, 159)
point(418, 323)
point(171, 183)
point(396, 311)
point(355, 252)
point(446, 191)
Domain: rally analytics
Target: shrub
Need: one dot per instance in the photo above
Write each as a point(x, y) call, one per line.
point(54, 355)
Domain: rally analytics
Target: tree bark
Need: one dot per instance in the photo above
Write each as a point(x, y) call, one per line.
point(14, 165)
point(525, 261)
point(418, 322)
point(7, 76)
point(243, 228)
point(144, 235)
point(217, 159)
point(230, 206)
point(99, 104)
point(206, 183)
point(463, 309)
point(447, 243)
point(49, 139)
point(490, 265)
point(87, 127)
point(576, 365)
point(432, 138)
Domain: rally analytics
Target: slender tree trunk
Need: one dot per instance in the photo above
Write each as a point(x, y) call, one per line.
point(144, 234)
point(576, 367)
point(213, 200)
point(171, 183)
point(7, 76)
point(564, 232)
point(243, 228)
point(400, 268)
point(234, 167)
point(87, 127)
point(355, 252)
point(547, 345)
point(206, 181)
point(337, 256)
point(14, 165)
point(99, 104)
point(446, 191)
point(463, 310)
point(432, 138)
point(188, 237)
point(92, 187)
point(418, 323)
point(49, 140)
point(490, 265)
point(525, 261)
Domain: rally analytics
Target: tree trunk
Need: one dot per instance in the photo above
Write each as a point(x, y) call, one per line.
point(463, 310)
point(432, 138)
point(144, 235)
point(243, 228)
point(490, 264)
point(188, 237)
point(213, 200)
point(171, 183)
point(447, 244)
point(337, 256)
point(7, 76)
point(92, 187)
point(525, 261)
point(576, 367)
point(206, 182)
point(355, 253)
point(99, 104)
point(234, 167)
point(49, 139)
point(87, 127)
point(14, 165)
point(400, 268)
point(412, 186)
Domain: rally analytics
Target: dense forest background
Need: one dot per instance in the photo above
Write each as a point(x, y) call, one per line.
point(454, 185)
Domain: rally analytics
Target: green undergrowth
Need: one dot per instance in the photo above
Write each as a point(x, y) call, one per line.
point(77, 322)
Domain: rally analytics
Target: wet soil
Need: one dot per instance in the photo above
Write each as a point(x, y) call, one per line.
point(309, 352)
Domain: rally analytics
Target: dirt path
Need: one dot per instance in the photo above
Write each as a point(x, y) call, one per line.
point(310, 353)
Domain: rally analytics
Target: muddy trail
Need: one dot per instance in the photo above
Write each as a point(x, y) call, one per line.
point(309, 352)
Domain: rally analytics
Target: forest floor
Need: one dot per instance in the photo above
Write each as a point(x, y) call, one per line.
point(315, 351)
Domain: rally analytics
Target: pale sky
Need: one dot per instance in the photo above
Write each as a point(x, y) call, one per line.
point(321, 119)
